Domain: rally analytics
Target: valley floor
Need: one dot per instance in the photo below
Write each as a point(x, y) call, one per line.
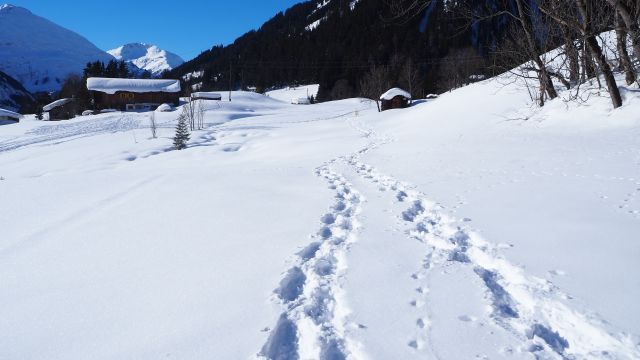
point(472, 226)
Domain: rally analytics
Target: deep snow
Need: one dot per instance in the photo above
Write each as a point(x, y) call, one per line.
point(489, 230)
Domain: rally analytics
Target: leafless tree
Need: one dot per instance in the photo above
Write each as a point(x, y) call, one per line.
point(189, 112)
point(460, 67)
point(200, 112)
point(152, 125)
point(374, 83)
point(588, 18)
point(403, 10)
point(621, 46)
point(409, 77)
point(571, 52)
point(629, 11)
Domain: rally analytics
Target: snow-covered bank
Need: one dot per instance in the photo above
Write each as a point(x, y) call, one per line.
point(489, 230)
point(297, 92)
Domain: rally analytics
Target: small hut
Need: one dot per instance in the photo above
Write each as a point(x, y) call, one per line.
point(7, 116)
point(63, 109)
point(395, 98)
point(133, 94)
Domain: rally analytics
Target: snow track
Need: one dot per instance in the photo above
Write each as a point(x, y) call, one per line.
point(55, 134)
point(533, 310)
point(314, 322)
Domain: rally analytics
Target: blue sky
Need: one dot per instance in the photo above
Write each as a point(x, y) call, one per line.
point(183, 27)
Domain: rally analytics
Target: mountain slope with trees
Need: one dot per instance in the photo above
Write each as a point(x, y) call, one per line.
point(335, 43)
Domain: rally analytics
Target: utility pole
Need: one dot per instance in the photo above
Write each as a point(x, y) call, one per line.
point(230, 80)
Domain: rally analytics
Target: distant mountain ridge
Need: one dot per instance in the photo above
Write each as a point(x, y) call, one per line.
point(147, 57)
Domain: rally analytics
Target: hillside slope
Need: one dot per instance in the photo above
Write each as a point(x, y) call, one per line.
point(40, 54)
point(13, 96)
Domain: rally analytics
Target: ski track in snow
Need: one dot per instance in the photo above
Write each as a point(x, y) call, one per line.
point(314, 323)
point(59, 133)
point(534, 310)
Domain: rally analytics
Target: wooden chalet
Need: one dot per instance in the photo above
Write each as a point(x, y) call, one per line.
point(63, 109)
point(133, 94)
point(395, 98)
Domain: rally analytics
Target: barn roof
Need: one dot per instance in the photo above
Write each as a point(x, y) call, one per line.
point(111, 86)
point(390, 94)
point(56, 104)
point(8, 113)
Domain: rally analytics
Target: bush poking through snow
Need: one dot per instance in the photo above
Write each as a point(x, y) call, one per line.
point(182, 133)
point(39, 113)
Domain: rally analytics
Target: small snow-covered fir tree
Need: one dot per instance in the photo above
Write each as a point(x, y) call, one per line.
point(182, 133)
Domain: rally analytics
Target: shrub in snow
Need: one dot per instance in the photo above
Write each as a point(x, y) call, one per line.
point(164, 108)
point(182, 133)
point(39, 113)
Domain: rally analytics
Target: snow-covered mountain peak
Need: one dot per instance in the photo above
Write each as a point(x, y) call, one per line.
point(147, 57)
point(9, 8)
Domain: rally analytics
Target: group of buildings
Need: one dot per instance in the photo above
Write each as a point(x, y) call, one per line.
point(114, 94)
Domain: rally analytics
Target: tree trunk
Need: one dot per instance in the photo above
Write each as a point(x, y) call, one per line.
point(596, 52)
point(631, 22)
point(612, 86)
point(587, 62)
point(545, 80)
point(625, 60)
point(572, 55)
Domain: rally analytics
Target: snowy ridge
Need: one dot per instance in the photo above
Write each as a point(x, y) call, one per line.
point(147, 57)
point(314, 324)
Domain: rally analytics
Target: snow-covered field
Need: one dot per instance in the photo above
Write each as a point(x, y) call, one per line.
point(472, 226)
point(288, 94)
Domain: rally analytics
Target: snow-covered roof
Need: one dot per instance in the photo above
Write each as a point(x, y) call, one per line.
point(55, 104)
point(8, 113)
point(111, 86)
point(206, 95)
point(395, 92)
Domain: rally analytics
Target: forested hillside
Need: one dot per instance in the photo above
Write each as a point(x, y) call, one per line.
point(335, 43)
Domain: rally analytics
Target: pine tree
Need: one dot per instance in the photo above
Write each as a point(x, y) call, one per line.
point(182, 133)
point(123, 70)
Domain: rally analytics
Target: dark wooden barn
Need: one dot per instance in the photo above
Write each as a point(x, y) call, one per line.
point(133, 94)
point(395, 98)
point(63, 109)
